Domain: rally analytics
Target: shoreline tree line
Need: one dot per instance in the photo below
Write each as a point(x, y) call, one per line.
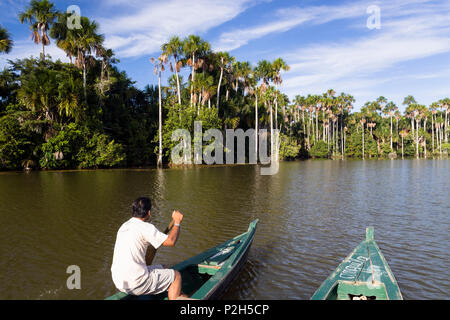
point(89, 114)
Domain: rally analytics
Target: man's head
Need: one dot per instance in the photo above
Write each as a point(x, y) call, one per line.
point(141, 208)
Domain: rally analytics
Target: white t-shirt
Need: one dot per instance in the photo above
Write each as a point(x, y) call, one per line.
point(129, 270)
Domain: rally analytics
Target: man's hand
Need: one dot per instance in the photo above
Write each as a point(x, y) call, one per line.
point(177, 216)
point(172, 238)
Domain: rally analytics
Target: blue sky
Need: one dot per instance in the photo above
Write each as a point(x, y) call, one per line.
point(326, 43)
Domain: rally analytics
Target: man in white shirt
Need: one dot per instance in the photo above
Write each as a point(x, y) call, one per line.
point(130, 272)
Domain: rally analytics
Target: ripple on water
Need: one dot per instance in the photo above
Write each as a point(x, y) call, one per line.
point(312, 215)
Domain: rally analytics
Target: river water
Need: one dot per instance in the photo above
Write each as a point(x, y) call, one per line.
point(312, 215)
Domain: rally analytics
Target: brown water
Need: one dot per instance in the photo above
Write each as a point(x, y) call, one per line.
point(312, 215)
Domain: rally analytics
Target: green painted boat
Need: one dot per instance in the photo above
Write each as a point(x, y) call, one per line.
point(207, 275)
point(363, 275)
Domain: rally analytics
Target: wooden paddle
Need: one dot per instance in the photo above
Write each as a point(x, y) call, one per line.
point(151, 251)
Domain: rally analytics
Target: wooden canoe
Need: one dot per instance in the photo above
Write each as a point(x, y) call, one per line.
point(363, 275)
point(207, 275)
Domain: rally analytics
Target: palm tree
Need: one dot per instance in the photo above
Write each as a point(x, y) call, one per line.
point(252, 85)
point(5, 41)
point(264, 72)
point(433, 108)
point(390, 110)
point(408, 101)
point(174, 48)
point(193, 47)
point(277, 66)
point(159, 67)
point(224, 61)
point(40, 15)
point(87, 41)
point(39, 92)
point(108, 58)
point(403, 134)
point(363, 121)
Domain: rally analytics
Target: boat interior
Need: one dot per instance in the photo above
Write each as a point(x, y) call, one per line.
point(351, 290)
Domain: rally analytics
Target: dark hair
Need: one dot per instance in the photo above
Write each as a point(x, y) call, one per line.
point(141, 206)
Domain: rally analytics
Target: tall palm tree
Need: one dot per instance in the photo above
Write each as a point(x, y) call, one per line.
point(254, 78)
point(193, 47)
point(265, 72)
point(40, 15)
point(390, 110)
point(159, 68)
point(6, 43)
point(363, 121)
point(433, 108)
point(277, 66)
point(87, 42)
point(224, 61)
point(174, 48)
point(408, 101)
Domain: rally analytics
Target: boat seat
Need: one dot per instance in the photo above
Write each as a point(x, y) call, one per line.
point(347, 290)
point(221, 255)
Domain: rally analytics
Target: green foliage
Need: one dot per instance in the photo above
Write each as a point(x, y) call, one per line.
point(100, 151)
point(354, 146)
point(289, 149)
point(16, 144)
point(183, 117)
point(68, 141)
point(446, 147)
point(76, 147)
point(319, 150)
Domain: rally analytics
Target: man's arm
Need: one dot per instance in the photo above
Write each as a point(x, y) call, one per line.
point(175, 232)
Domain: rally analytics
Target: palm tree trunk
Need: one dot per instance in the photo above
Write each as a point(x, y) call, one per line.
point(396, 123)
point(363, 140)
point(276, 113)
point(218, 88)
point(391, 135)
point(316, 136)
point(159, 164)
point(303, 122)
point(432, 133)
point(271, 131)
point(323, 125)
point(402, 149)
point(256, 124)
point(417, 139)
point(178, 82)
point(445, 128)
point(193, 78)
point(425, 137)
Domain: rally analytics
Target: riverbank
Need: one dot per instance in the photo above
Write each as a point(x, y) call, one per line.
point(196, 166)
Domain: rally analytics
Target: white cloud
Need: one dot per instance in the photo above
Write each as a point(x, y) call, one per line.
point(26, 48)
point(145, 30)
point(363, 65)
